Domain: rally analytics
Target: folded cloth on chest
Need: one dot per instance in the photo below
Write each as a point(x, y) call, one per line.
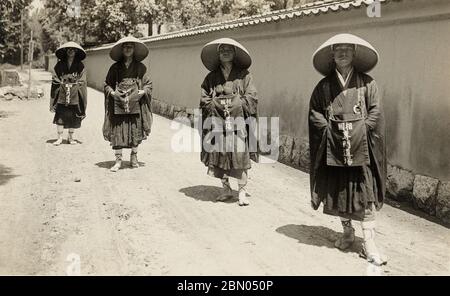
point(231, 112)
point(127, 90)
point(347, 143)
point(68, 90)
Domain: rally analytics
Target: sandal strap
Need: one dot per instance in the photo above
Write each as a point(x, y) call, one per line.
point(347, 223)
point(372, 258)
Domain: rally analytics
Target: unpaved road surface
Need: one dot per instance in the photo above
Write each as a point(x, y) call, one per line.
point(161, 219)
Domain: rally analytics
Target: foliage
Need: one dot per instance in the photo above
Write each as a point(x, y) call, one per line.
point(113, 19)
point(91, 22)
point(10, 11)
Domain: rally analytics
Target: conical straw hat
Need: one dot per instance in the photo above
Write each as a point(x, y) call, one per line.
point(140, 49)
point(61, 51)
point(210, 54)
point(366, 57)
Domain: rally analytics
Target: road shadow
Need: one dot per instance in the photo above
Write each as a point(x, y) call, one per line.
point(5, 174)
point(125, 164)
point(64, 142)
point(408, 207)
point(319, 236)
point(5, 114)
point(206, 193)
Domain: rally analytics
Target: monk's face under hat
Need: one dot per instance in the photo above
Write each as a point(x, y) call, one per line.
point(128, 49)
point(343, 54)
point(226, 53)
point(71, 52)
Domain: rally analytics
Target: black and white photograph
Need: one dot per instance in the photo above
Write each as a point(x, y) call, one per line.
point(225, 138)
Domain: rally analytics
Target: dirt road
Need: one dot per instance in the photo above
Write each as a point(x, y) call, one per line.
point(161, 219)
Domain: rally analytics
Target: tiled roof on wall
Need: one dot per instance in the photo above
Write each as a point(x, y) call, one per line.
point(313, 8)
point(309, 9)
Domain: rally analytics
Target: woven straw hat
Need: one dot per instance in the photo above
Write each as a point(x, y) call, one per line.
point(366, 57)
point(61, 52)
point(140, 49)
point(210, 55)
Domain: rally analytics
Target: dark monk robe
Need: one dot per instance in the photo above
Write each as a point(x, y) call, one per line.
point(69, 115)
point(346, 191)
point(232, 164)
point(127, 130)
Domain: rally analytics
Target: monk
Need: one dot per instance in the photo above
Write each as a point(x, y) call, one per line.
point(346, 136)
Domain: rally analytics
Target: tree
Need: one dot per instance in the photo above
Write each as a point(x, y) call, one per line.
point(10, 12)
point(114, 19)
point(64, 21)
point(191, 13)
point(286, 4)
point(148, 13)
point(94, 22)
point(33, 23)
point(243, 8)
point(156, 12)
point(88, 21)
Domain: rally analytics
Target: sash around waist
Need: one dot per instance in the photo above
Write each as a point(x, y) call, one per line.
point(347, 143)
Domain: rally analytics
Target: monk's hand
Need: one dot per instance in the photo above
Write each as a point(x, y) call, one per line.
point(113, 94)
point(205, 101)
point(236, 102)
point(217, 104)
point(117, 96)
point(141, 92)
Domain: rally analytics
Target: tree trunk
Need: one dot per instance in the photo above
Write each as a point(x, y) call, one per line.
point(150, 26)
point(288, 4)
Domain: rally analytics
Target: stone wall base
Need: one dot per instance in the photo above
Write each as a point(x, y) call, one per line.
point(427, 194)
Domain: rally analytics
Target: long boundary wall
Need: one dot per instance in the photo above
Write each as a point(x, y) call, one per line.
point(413, 39)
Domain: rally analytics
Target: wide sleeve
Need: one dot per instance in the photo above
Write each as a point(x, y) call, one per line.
point(317, 125)
point(83, 90)
point(109, 85)
point(373, 106)
point(249, 98)
point(376, 138)
point(249, 101)
point(147, 85)
point(54, 90)
point(317, 114)
point(317, 138)
point(145, 102)
point(206, 103)
point(110, 81)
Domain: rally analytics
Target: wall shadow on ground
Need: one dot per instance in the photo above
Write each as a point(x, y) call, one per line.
point(408, 207)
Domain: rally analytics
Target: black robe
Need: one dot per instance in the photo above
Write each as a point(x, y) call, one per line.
point(61, 69)
point(230, 163)
point(127, 131)
point(346, 191)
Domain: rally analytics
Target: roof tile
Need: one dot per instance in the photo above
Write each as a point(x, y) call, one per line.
point(314, 8)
